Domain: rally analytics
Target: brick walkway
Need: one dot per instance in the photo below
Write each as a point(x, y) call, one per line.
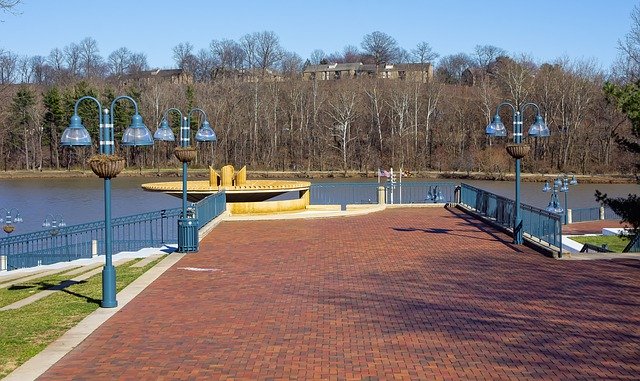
point(401, 294)
point(590, 227)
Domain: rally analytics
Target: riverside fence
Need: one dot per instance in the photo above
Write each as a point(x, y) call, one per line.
point(130, 233)
point(538, 224)
point(409, 192)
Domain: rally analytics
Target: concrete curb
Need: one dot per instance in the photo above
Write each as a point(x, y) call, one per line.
point(38, 364)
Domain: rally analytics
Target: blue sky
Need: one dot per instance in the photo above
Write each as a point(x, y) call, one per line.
point(543, 29)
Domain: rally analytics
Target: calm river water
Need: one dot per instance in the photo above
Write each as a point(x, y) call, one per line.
point(80, 200)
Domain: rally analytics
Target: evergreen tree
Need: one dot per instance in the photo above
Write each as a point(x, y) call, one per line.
point(54, 122)
point(627, 99)
point(22, 114)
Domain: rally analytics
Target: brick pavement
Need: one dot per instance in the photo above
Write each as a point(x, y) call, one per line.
point(590, 227)
point(401, 294)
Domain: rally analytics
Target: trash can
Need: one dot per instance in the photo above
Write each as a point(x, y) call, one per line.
point(187, 235)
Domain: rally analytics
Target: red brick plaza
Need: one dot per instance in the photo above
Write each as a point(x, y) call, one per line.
point(425, 293)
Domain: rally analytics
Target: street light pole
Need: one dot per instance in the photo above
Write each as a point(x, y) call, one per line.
point(106, 165)
point(187, 224)
point(517, 150)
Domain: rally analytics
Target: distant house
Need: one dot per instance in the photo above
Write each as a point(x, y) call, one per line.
point(473, 76)
point(414, 72)
point(175, 76)
point(333, 71)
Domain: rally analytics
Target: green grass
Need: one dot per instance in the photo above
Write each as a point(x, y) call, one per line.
point(28, 330)
point(613, 242)
point(22, 289)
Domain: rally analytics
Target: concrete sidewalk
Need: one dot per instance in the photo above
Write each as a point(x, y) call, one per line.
point(407, 293)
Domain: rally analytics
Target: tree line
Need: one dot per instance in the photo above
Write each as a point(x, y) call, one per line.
point(349, 124)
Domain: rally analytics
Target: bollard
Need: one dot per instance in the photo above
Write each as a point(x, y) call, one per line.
point(3, 263)
point(569, 216)
point(602, 212)
point(381, 200)
point(94, 248)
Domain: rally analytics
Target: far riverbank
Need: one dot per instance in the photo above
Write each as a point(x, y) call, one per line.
point(203, 173)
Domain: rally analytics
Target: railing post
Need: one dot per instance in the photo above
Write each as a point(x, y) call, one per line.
point(3, 263)
point(569, 216)
point(94, 248)
point(602, 212)
point(381, 194)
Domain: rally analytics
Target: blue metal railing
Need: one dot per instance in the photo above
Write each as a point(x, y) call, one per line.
point(130, 233)
point(343, 193)
point(408, 192)
point(592, 214)
point(539, 224)
point(411, 192)
point(210, 207)
point(585, 214)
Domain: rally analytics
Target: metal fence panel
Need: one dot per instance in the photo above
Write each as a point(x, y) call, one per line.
point(343, 193)
point(210, 207)
point(537, 223)
point(130, 233)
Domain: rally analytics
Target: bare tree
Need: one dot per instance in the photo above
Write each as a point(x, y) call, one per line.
point(485, 54)
point(90, 58)
point(629, 59)
point(451, 67)
point(262, 50)
point(24, 69)
point(317, 56)
point(291, 64)
point(381, 47)
point(183, 56)
point(118, 61)
point(138, 63)
point(72, 55)
point(424, 55)
point(342, 113)
point(8, 67)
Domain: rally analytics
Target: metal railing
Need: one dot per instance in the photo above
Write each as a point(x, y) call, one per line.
point(538, 224)
point(585, 214)
point(130, 233)
point(210, 207)
point(343, 193)
point(408, 192)
point(593, 214)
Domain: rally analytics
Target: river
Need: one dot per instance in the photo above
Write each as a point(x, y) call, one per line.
point(80, 200)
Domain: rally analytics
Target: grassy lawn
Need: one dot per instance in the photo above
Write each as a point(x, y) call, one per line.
point(28, 330)
point(20, 290)
point(613, 242)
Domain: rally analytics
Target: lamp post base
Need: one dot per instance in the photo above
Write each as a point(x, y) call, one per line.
point(187, 235)
point(109, 287)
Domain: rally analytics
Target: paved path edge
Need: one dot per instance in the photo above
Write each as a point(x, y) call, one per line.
point(38, 364)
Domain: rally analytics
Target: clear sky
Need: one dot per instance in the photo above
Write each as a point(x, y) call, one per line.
point(543, 29)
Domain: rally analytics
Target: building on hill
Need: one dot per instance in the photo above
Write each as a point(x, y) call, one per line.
point(334, 71)
point(326, 72)
point(175, 76)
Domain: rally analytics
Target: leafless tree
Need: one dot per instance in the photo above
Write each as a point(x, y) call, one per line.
point(73, 55)
point(317, 56)
point(380, 46)
point(485, 54)
point(629, 60)
point(183, 56)
point(8, 67)
point(118, 61)
point(138, 63)
point(342, 113)
point(90, 58)
point(451, 67)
